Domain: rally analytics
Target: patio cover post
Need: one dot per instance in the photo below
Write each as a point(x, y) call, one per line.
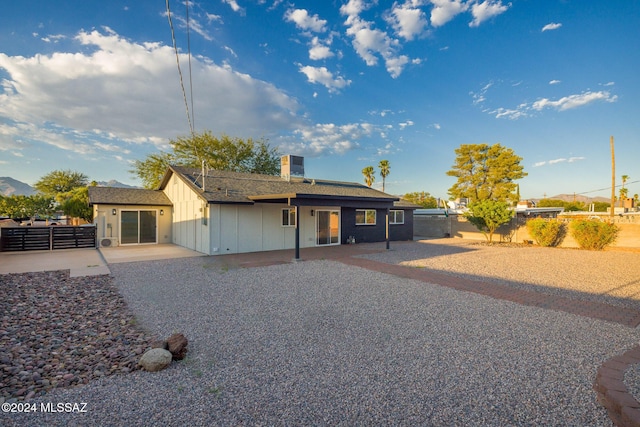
point(387, 229)
point(297, 252)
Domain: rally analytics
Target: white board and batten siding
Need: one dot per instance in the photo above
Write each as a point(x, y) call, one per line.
point(219, 229)
point(190, 216)
point(240, 229)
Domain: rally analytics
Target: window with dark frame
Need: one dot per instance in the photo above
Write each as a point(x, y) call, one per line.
point(289, 217)
point(365, 217)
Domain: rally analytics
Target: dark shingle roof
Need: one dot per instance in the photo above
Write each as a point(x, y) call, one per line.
point(127, 196)
point(237, 187)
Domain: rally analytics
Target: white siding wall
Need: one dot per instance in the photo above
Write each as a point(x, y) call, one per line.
point(240, 228)
point(188, 210)
point(109, 224)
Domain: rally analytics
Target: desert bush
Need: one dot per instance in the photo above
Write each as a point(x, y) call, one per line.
point(546, 232)
point(593, 235)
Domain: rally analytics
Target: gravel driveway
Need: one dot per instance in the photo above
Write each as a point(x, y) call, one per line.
point(323, 343)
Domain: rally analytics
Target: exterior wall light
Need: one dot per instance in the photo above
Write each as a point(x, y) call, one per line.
point(161, 211)
point(113, 211)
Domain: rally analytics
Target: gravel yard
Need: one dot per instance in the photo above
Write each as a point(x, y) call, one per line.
point(323, 343)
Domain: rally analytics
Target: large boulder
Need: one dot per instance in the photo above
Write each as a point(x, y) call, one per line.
point(155, 359)
point(177, 345)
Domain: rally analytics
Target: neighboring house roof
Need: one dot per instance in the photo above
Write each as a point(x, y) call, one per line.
point(8, 222)
point(403, 204)
point(127, 196)
point(237, 187)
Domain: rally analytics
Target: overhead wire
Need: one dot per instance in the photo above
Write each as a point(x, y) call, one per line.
point(193, 113)
point(175, 48)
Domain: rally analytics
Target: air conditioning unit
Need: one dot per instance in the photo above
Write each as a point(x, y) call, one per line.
point(107, 242)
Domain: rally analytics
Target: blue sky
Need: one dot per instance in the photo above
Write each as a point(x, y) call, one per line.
point(93, 85)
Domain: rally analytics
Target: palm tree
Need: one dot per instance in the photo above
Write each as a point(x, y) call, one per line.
point(384, 171)
point(623, 190)
point(369, 175)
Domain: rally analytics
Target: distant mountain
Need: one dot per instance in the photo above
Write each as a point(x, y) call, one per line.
point(10, 186)
point(114, 183)
point(579, 198)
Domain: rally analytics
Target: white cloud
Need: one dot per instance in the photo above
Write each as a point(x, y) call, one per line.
point(129, 92)
point(554, 161)
point(437, 126)
point(558, 160)
point(369, 42)
point(328, 138)
point(407, 20)
point(324, 77)
point(552, 26)
point(445, 10)
point(194, 25)
point(234, 5)
point(306, 22)
point(486, 10)
point(554, 82)
point(318, 50)
point(405, 124)
point(353, 8)
point(527, 109)
point(574, 101)
point(609, 84)
point(53, 38)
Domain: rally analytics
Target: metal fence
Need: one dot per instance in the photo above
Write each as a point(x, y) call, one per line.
point(46, 238)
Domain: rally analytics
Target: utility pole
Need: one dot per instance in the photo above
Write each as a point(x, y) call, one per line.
point(613, 180)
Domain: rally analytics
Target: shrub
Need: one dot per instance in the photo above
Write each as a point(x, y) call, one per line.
point(593, 235)
point(546, 232)
point(488, 215)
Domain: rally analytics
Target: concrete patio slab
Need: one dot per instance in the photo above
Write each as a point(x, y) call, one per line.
point(80, 262)
point(135, 253)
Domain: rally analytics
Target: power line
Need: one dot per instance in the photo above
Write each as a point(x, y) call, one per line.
point(608, 188)
point(175, 48)
point(193, 112)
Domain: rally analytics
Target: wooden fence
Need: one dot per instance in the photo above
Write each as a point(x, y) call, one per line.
point(46, 238)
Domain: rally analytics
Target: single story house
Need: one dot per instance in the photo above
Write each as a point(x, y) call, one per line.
point(221, 212)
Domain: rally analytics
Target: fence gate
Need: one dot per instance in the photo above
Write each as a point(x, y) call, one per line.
point(47, 238)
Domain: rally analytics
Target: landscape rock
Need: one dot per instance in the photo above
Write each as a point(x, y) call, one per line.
point(160, 344)
point(155, 360)
point(177, 345)
point(38, 309)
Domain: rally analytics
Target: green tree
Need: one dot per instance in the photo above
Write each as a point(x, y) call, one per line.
point(557, 203)
point(601, 206)
point(21, 206)
point(76, 204)
point(221, 153)
point(487, 215)
point(486, 173)
point(421, 198)
point(384, 171)
point(152, 169)
point(12, 206)
point(58, 182)
point(369, 175)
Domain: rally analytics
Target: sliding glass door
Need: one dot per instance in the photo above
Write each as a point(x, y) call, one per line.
point(327, 227)
point(138, 227)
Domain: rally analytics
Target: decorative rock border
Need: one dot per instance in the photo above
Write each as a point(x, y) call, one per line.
point(623, 408)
